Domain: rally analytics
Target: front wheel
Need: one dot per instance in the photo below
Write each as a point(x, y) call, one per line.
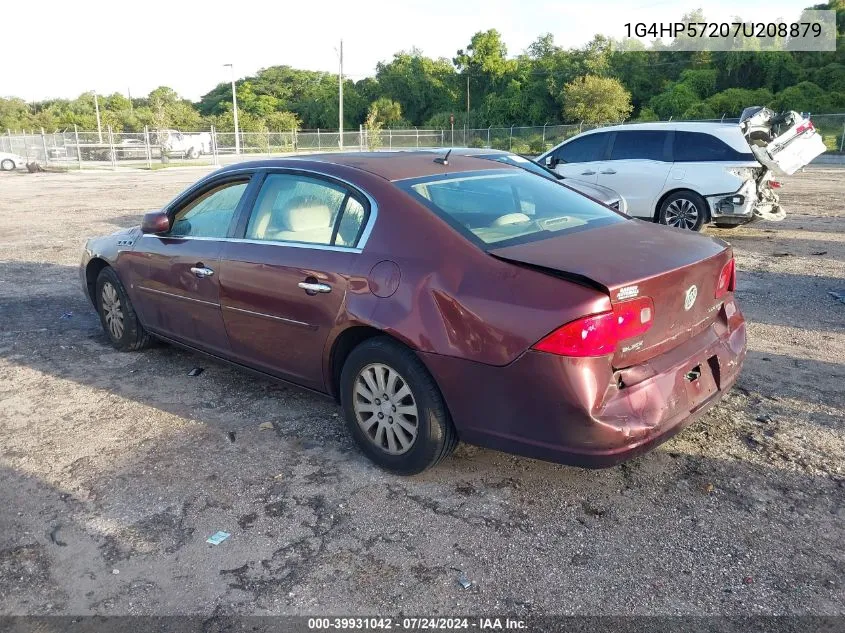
point(7, 165)
point(394, 409)
point(684, 210)
point(117, 315)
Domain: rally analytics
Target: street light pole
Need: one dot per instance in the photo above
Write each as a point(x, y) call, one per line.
point(99, 125)
point(340, 95)
point(235, 110)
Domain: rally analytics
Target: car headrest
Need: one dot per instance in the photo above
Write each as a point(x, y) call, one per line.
point(303, 214)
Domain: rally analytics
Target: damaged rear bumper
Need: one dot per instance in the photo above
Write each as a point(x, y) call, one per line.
point(580, 411)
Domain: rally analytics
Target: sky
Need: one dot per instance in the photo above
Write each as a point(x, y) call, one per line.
point(64, 48)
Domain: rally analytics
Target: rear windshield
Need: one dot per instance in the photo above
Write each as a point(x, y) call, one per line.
point(502, 208)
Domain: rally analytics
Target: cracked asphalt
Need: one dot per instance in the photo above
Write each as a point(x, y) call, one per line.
point(116, 468)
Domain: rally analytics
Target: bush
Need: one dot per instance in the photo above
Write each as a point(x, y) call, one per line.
point(476, 142)
point(536, 145)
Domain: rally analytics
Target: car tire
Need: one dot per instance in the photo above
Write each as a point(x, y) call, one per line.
point(117, 315)
point(7, 165)
point(684, 210)
point(193, 153)
point(726, 226)
point(419, 433)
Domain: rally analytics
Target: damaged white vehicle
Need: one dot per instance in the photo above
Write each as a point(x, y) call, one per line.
point(689, 174)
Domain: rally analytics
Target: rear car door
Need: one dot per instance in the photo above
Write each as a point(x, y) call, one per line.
point(284, 281)
point(581, 157)
point(638, 167)
point(178, 289)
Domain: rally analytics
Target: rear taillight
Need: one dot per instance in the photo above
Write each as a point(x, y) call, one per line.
point(727, 279)
point(774, 184)
point(598, 334)
point(804, 127)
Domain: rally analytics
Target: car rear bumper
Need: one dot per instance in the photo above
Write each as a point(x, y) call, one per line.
point(734, 208)
point(573, 411)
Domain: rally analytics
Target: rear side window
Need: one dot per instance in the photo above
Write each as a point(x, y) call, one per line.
point(583, 150)
point(700, 147)
point(642, 144)
point(296, 208)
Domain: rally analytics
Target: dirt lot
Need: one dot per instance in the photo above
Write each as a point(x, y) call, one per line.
point(116, 467)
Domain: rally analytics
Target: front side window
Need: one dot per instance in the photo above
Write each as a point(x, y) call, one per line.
point(501, 208)
point(584, 149)
point(643, 145)
point(210, 214)
point(296, 208)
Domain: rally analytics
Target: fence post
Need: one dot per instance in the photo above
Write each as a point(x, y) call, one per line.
point(319, 146)
point(78, 149)
point(44, 145)
point(215, 155)
point(112, 152)
point(441, 137)
point(580, 127)
point(147, 148)
point(361, 137)
point(842, 140)
point(510, 146)
point(544, 136)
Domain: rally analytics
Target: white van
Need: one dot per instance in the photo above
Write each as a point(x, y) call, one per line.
point(687, 174)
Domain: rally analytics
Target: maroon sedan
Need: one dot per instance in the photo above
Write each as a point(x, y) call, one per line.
point(435, 300)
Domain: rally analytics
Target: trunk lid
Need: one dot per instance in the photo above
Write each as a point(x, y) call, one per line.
point(638, 259)
point(783, 142)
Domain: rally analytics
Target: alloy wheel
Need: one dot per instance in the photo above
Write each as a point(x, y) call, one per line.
point(112, 310)
point(385, 408)
point(681, 213)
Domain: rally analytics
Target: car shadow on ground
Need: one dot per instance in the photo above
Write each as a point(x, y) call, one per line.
point(124, 462)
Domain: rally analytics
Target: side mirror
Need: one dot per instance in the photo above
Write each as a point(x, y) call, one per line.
point(155, 222)
point(550, 161)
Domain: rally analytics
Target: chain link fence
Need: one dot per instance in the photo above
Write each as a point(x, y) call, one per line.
point(152, 149)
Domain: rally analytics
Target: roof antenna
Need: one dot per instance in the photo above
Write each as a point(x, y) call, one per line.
point(445, 159)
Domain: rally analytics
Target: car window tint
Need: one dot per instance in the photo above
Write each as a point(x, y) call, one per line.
point(294, 208)
point(643, 144)
point(582, 150)
point(697, 146)
point(211, 213)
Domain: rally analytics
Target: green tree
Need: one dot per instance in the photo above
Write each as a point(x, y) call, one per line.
point(594, 99)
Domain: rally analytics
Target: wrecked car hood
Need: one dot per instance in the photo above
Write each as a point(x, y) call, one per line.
point(783, 142)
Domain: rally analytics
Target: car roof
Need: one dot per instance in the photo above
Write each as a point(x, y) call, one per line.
point(391, 165)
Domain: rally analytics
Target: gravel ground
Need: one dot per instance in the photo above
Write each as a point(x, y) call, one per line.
point(116, 467)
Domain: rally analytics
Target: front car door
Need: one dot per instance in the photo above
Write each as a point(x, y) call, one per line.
point(580, 158)
point(638, 167)
point(177, 293)
point(284, 282)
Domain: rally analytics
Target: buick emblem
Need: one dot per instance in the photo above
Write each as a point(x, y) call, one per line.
point(689, 297)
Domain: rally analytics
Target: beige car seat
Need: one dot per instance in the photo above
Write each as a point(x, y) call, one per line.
point(301, 219)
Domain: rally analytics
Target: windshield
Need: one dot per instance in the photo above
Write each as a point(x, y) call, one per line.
point(509, 206)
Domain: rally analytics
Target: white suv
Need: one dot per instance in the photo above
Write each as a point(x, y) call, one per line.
point(686, 174)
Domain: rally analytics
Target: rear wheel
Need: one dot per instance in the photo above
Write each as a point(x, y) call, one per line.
point(117, 315)
point(394, 409)
point(193, 153)
point(684, 210)
point(7, 165)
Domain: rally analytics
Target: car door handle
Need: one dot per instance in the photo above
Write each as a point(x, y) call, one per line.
point(201, 271)
point(609, 171)
point(313, 288)
point(588, 173)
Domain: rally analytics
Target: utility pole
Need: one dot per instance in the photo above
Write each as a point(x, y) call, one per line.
point(99, 125)
point(235, 110)
point(340, 95)
point(466, 122)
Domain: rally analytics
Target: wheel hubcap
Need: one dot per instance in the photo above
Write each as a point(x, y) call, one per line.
point(682, 213)
point(385, 408)
point(112, 310)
